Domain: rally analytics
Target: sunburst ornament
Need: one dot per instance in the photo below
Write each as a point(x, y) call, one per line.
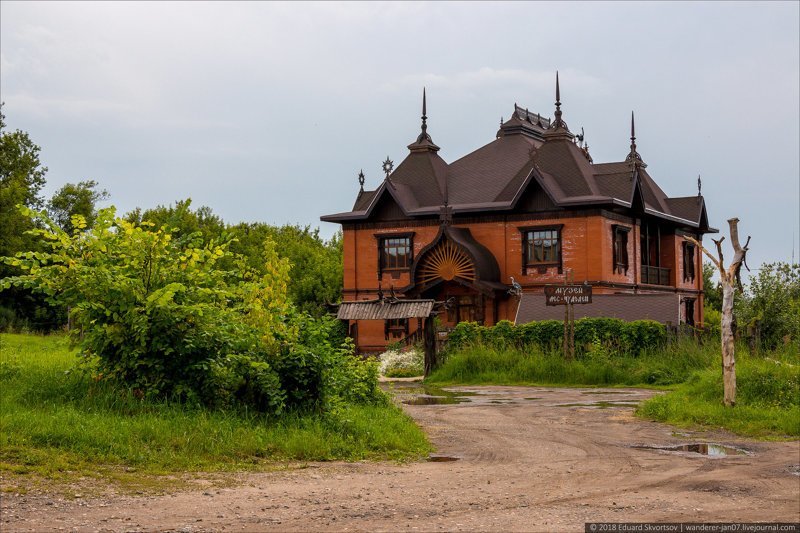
point(446, 261)
point(388, 165)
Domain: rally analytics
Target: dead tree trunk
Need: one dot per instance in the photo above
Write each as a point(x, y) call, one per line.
point(730, 279)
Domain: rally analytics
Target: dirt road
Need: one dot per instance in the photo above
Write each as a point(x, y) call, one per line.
point(528, 459)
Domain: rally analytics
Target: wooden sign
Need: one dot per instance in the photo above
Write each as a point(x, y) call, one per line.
point(567, 294)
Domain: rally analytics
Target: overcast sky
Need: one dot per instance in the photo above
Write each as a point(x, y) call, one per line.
point(267, 111)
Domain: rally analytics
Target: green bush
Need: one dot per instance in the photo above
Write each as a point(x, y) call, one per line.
point(164, 318)
point(615, 336)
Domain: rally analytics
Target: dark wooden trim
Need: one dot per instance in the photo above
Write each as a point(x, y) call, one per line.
point(489, 218)
point(380, 237)
point(619, 268)
point(524, 230)
point(398, 235)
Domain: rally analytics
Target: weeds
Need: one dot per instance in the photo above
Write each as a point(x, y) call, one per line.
point(55, 419)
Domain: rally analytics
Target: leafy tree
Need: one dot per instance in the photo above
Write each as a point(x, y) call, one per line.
point(772, 300)
point(182, 219)
point(712, 291)
point(76, 199)
point(22, 177)
point(316, 274)
point(21, 180)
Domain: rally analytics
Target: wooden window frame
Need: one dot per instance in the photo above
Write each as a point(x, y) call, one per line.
point(689, 270)
point(617, 266)
point(382, 238)
point(396, 328)
point(543, 265)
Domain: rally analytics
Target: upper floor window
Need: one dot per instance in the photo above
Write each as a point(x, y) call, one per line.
point(688, 261)
point(541, 246)
point(620, 235)
point(395, 252)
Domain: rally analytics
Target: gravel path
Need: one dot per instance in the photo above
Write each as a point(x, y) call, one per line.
point(527, 459)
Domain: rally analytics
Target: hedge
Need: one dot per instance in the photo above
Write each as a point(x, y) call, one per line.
point(618, 335)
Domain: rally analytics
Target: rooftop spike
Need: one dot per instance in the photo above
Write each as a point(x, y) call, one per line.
point(424, 141)
point(424, 133)
point(558, 125)
point(699, 186)
point(361, 179)
point(633, 157)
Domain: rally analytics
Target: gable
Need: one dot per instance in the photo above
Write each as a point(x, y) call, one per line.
point(534, 198)
point(387, 209)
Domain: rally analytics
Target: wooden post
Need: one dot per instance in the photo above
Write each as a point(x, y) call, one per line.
point(730, 279)
point(429, 331)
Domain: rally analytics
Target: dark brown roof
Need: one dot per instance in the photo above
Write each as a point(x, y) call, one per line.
point(492, 178)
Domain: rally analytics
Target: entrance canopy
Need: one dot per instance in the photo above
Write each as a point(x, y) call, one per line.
point(386, 309)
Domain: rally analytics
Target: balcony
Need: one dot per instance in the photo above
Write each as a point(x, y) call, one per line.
point(655, 275)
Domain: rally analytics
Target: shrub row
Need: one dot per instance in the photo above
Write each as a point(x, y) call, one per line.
point(613, 333)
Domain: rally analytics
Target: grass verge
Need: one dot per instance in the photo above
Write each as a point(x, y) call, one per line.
point(767, 400)
point(57, 423)
point(489, 365)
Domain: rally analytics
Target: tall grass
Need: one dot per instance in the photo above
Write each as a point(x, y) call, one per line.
point(506, 366)
point(56, 418)
point(767, 397)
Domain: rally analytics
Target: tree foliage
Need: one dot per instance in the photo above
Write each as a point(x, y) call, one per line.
point(316, 274)
point(21, 181)
point(316, 265)
point(173, 316)
point(712, 291)
point(772, 302)
point(76, 199)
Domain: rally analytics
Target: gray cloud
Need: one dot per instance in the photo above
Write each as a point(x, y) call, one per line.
point(266, 111)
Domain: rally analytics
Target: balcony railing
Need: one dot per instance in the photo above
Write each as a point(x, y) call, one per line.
point(655, 275)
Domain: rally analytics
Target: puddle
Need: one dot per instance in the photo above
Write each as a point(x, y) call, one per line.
point(425, 399)
point(607, 392)
point(427, 395)
point(435, 458)
point(701, 448)
point(600, 405)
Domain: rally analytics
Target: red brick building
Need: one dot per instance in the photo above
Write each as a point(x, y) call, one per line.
point(528, 207)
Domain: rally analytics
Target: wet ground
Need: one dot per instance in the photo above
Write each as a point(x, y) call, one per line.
point(507, 459)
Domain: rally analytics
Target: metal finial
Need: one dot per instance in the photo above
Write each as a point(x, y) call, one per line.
point(501, 122)
point(557, 122)
point(633, 157)
point(361, 179)
point(424, 110)
point(699, 185)
point(388, 165)
point(558, 92)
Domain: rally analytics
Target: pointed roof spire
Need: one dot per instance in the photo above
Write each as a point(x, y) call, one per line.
point(558, 125)
point(424, 141)
point(361, 179)
point(633, 158)
point(699, 186)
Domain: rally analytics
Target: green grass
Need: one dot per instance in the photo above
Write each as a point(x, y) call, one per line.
point(56, 421)
point(768, 399)
point(512, 366)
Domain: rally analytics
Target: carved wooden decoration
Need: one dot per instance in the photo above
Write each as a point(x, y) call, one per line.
point(446, 261)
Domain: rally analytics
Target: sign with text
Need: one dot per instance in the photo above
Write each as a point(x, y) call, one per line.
point(567, 294)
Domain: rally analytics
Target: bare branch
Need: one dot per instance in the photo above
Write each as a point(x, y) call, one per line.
point(718, 242)
point(703, 248)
